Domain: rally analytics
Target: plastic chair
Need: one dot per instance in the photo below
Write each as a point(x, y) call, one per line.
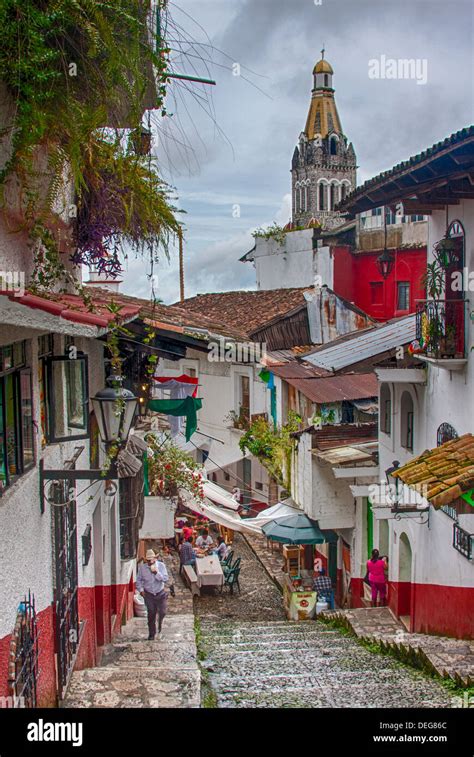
point(227, 561)
point(232, 579)
point(229, 567)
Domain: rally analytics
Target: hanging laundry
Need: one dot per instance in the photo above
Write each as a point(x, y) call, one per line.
point(179, 387)
point(187, 408)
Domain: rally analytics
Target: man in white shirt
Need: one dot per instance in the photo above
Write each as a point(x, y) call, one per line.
point(151, 578)
point(204, 541)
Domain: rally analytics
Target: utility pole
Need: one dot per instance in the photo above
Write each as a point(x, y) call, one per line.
point(181, 265)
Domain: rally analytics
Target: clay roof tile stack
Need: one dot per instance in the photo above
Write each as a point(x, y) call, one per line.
point(442, 474)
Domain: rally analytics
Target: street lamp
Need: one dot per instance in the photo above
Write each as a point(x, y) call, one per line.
point(114, 408)
point(386, 260)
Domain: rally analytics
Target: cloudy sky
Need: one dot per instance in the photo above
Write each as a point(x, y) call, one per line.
point(227, 149)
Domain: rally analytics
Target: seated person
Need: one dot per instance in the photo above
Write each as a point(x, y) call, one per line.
point(187, 555)
point(323, 586)
point(222, 548)
point(204, 541)
point(187, 532)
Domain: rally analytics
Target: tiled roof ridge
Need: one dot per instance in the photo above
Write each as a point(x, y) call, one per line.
point(457, 136)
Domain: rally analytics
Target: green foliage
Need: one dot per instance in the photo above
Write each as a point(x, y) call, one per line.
point(73, 67)
point(272, 446)
point(171, 469)
point(274, 231)
point(434, 280)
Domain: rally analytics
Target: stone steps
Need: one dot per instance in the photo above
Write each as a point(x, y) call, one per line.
point(449, 658)
point(137, 673)
point(306, 664)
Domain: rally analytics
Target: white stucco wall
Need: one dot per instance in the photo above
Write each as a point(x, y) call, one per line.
point(26, 548)
point(448, 397)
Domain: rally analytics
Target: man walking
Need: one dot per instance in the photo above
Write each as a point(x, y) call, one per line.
point(151, 578)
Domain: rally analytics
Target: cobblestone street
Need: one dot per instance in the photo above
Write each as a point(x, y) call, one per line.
point(255, 658)
point(307, 664)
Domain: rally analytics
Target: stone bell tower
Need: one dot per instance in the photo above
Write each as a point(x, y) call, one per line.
point(323, 169)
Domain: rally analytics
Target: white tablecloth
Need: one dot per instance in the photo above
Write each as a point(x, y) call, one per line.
point(209, 571)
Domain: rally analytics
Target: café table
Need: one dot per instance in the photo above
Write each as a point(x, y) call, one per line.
point(209, 571)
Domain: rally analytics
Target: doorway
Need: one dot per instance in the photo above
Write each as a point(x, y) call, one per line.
point(404, 599)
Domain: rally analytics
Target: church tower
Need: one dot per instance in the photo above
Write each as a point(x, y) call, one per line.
point(323, 169)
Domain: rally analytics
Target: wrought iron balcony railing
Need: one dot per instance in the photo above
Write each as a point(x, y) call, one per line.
point(440, 327)
point(463, 541)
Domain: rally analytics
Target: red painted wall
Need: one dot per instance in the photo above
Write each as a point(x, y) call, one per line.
point(436, 609)
point(105, 615)
point(46, 691)
point(355, 272)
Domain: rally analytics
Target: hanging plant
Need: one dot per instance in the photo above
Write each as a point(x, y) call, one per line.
point(72, 67)
point(124, 202)
point(170, 469)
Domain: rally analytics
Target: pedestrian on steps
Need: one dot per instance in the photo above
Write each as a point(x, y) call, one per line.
point(151, 578)
point(376, 567)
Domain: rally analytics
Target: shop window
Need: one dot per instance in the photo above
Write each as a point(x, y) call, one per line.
point(385, 409)
point(403, 295)
point(68, 398)
point(17, 453)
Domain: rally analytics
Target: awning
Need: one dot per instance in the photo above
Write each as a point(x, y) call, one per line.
point(280, 510)
point(219, 495)
point(218, 514)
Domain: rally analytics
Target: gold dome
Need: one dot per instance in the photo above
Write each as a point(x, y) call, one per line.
point(323, 67)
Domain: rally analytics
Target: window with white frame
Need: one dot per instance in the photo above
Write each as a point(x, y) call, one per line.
point(406, 421)
point(385, 409)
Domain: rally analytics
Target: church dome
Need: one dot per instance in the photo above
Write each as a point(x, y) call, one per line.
point(323, 67)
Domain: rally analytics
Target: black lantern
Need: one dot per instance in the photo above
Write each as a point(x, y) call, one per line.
point(114, 408)
point(385, 263)
point(446, 252)
point(386, 260)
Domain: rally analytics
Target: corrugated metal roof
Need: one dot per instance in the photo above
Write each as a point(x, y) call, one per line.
point(362, 346)
point(337, 388)
point(296, 370)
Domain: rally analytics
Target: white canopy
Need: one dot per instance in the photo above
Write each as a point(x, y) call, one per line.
point(218, 514)
point(280, 510)
point(218, 494)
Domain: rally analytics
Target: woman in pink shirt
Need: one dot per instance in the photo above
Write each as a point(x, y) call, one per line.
point(376, 572)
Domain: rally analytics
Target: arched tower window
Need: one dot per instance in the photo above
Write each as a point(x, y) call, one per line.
point(321, 197)
point(326, 80)
point(333, 196)
point(333, 146)
point(406, 421)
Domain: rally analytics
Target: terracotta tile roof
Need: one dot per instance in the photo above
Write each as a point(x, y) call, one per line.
point(245, 310)
point(73, 308)
point(175, 318)
point(442, 474)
